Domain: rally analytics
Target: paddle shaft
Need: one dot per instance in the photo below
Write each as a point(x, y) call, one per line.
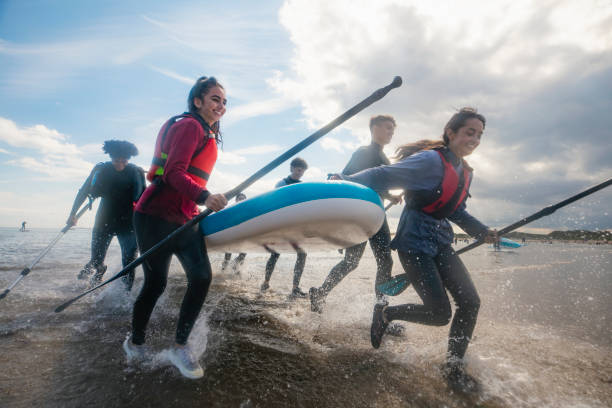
point(399, 283)
point(377, 95)
point(542, 213)
point(28, 269)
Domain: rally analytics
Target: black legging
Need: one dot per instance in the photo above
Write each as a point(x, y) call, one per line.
point(382, 253)
point(100, 241)
point(298, 269)
point(190, 249)
point(431, 277)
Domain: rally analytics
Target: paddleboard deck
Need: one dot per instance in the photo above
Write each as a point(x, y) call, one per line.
point(311, 216)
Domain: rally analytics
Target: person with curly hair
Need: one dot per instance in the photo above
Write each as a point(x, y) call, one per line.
point(119, 184)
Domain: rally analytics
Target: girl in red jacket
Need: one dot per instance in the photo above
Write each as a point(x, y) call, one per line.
point(185, 153)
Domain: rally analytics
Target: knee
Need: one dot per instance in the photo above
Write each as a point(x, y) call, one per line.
point(152, 290)
point(200, 282)
point(470, 304)
point(441, 313)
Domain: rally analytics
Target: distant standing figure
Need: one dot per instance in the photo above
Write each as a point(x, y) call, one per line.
point(23, 228)
point(120, 185)
point(239, 260)
point(297, 168)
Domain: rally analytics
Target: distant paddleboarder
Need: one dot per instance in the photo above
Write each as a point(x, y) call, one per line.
point(119, 184)
point(23, 226)
point(382, 128)
point(184, 157)
point(297, 167)
point(436, 179)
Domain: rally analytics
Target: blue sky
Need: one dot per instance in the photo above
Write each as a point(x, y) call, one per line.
point(76, 73)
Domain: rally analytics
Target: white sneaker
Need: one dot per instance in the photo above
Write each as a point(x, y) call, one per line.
point(134, 351)
point(185, 361)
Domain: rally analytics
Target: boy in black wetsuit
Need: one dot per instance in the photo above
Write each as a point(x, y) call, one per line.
point(381, 129)
point(297, 166)
point(120, 185)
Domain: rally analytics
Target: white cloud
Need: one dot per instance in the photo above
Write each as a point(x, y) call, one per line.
point(257, 108)
point(173, 75)
point(261, 149)
point(329, 143)
point(237, 156)
point(539, 71)
point(55, 156)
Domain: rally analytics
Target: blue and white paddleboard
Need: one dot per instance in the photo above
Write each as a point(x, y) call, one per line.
point(508, 243)
point(313, 216)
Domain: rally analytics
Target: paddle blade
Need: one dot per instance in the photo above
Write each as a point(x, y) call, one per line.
point(394, 286)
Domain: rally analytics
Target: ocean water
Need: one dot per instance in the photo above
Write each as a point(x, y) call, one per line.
point(543, 337)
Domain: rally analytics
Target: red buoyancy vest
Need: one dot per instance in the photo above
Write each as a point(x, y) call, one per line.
point(451, 192)
point(202, 161)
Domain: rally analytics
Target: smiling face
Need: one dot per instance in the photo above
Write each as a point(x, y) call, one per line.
point(383, 132)
point(211, 106)
point(466, 139)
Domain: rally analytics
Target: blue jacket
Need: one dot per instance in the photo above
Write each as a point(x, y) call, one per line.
point(416, 230)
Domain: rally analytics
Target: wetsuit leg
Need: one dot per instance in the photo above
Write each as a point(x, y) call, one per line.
point(380, 244)
point(430, 276)
point(149, 231)
point(100, 240)
point(227, 256)
point(352, 256)
point(191, 252)
point(129, 250)
point(240, 258)
point(423, 273)
point(300, 262)
point(457, 280)
point(270, 264)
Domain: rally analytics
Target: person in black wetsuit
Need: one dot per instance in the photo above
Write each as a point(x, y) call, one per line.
point(297, 166)
point(382, 128)
point(239, 260)
point(120, 185)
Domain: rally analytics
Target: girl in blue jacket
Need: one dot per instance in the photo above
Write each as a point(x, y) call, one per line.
point(436, 182)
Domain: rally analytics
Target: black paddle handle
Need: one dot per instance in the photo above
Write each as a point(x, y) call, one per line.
point(542, 213)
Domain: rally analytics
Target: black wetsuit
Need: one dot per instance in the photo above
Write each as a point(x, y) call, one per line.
point(364, 158)
point(300, 262)
point(118, 191)
point(190, 249)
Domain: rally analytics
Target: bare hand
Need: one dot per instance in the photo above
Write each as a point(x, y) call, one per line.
point(216, 202)
point(395, 199)
point(72, 221)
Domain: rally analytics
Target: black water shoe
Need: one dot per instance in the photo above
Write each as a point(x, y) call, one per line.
point(316, 300)
point(458, 380)
point(379, 324)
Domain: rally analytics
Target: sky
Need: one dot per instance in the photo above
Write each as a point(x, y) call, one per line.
point(76, 73)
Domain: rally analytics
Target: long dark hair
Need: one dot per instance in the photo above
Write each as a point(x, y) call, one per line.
point(198, 90)
point(455, 123)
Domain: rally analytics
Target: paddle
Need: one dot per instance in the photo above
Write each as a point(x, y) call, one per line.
point(399, 283)
point(377, 95)
point(28, 269)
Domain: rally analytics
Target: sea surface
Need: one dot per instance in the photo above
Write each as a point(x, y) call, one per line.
point(543, 337)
